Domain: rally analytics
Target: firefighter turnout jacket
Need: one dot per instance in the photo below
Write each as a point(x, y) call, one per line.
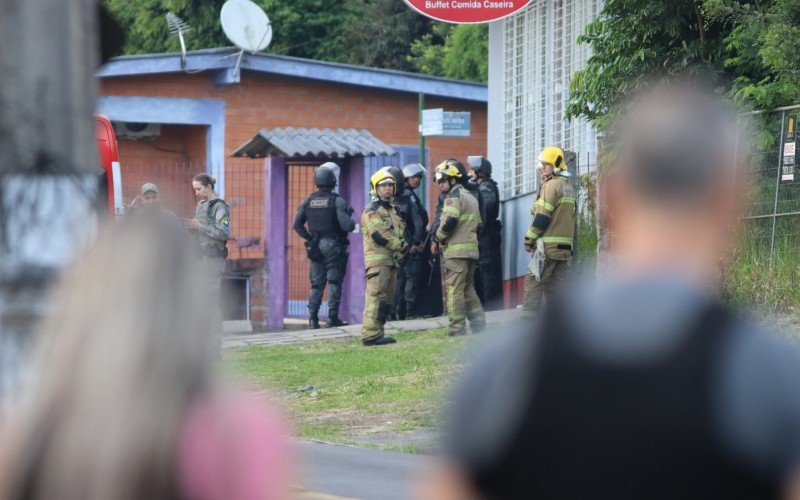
point(459, 224)
point(554, 218)
point(382, 230)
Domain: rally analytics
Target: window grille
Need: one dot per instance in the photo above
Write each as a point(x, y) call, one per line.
point(540, 56)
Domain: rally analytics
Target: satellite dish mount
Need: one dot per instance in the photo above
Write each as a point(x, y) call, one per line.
point(246, 26)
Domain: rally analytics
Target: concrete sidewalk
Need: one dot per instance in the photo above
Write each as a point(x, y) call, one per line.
point(352, 331)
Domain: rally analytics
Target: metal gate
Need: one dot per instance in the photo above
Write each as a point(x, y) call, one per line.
point(300, 179)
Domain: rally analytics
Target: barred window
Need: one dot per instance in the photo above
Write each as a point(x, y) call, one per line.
point(540, 56)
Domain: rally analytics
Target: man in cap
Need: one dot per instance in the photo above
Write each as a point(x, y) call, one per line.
point(328, 217)
point(489, 275)
point(384, 247)
point(149, 204)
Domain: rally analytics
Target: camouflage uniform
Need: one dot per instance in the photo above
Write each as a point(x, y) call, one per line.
point(210, 241)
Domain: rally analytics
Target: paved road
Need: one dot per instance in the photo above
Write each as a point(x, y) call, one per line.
point(351, 472)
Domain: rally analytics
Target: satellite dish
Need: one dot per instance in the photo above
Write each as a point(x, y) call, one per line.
point(246, 25)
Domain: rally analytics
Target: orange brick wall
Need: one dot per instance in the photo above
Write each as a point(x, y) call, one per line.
point(267, 101)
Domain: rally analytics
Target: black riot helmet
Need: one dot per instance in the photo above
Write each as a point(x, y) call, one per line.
point(399, 179)
point(480, 165)
point(324, 177)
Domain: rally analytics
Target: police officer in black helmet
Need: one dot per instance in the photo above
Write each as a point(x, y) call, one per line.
point(410, 208)
point(328, 219)
point(489, 276)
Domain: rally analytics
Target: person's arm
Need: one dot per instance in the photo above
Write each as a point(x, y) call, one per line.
point(221, 229)
point(419, 224)
point(450, 213)
point(299, 224)
point(346, 222)
point(542, 214)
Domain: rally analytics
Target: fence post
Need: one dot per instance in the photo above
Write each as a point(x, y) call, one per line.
point(777, 187)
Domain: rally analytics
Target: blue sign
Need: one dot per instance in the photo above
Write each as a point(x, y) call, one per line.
point(456, 123)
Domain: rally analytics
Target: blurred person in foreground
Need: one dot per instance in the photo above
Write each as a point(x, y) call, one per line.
point(644, 386)
point(123, 402)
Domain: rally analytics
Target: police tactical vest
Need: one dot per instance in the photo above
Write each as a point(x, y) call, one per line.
point(321, 214)
point(594, 429)
point(463, 241)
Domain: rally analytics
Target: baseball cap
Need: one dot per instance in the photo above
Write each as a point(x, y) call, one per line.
point(149, 187)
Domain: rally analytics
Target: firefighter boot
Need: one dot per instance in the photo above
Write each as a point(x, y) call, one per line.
point(313, 322)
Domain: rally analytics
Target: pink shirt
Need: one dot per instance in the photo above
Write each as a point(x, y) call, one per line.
point(233, 448)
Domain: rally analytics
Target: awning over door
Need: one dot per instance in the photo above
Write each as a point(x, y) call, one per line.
point(324, 143)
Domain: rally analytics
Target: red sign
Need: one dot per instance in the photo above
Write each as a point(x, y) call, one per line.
point(467, 11)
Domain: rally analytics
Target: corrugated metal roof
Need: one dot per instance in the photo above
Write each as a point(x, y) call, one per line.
point(303, 142)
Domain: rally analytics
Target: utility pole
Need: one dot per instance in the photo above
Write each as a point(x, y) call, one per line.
point(48, 158)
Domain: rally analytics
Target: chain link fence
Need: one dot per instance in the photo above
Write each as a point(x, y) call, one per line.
point(772, 223)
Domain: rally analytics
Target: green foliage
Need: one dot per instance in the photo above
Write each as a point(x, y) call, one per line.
point(633, 40)
point(752, 48)
point(376, 33)
point(453, 51)
point(147, 29)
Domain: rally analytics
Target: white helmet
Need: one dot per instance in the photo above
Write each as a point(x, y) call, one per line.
point(413, 169)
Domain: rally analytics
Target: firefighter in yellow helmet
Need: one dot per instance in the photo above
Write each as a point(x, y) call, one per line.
point(551, 234)
point(384, 247)
point(458, 236)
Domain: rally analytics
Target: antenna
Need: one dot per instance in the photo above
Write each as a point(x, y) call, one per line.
point(178, 26)
point(246, 26)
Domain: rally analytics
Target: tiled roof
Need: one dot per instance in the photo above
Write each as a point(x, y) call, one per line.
point(303, 142)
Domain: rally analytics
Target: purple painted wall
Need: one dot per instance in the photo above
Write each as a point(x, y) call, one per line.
point(354, 286)
point(275, 228)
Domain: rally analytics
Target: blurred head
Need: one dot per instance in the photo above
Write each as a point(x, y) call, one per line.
point(449, 173)
point(325, 175)
point(125, 350)
point(203, 185)
point(676, 189)
point(383, 184)
point(545, 171)
point(480, 168)
point(150, 195)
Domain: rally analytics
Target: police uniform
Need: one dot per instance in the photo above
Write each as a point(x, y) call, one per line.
point(457, 232)
point(214, 215)
point(489, 282)
point(409, 208)
point(553, 224)
point(328, 217)
point(384, 246)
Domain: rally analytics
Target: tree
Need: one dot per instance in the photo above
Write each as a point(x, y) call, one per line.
point(453, 51)
point(752, 48)
point(147, 26)
point(377, 33)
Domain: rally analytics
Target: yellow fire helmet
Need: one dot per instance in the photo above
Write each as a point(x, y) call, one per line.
point(382, 176)
point(554, 156)
point(448, 168)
